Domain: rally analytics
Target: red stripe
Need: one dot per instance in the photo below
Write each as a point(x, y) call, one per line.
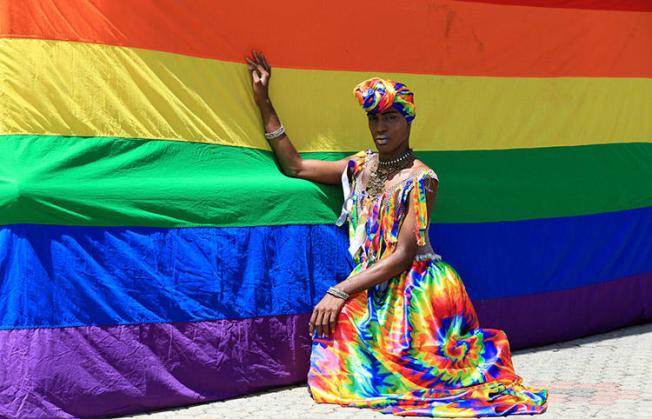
point(631, 5)
point(449, 37)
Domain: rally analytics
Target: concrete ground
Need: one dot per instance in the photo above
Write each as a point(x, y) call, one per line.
point(603, 376)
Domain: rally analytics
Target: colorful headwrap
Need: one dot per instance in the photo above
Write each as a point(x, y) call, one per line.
point(378, 95)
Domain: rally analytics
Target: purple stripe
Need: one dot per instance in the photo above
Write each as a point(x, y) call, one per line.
point(99, 371)
point(539, 319)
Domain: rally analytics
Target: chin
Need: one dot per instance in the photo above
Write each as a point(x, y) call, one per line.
point(383, 147)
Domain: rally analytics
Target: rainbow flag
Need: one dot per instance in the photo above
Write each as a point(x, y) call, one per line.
point(152, 253)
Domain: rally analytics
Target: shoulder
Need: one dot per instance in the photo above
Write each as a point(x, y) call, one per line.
point(423, 181)
point(423, 172)
point(358, 160)
point(365, 155)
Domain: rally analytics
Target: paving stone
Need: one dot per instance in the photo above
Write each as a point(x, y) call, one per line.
point(603, 376)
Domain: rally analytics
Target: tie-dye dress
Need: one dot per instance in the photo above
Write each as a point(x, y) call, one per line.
point(412, 346)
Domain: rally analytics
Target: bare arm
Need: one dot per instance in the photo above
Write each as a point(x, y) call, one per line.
point(324, 316)
point(291, 162)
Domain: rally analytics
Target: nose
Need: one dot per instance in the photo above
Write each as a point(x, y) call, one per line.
point(381, 126)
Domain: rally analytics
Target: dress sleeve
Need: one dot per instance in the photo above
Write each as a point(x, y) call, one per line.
point(348, 185)
point(358, 162)
point(422, 182)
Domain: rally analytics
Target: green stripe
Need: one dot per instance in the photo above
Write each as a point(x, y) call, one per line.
point(132, 182)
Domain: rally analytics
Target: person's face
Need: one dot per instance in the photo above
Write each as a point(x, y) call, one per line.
point(389, 129)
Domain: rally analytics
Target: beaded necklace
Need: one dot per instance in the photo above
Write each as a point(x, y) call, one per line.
point(381, 170)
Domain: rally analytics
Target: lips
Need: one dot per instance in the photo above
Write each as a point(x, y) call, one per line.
point(382, 140)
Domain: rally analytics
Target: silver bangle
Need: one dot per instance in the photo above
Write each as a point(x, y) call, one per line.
point(276, 133)
point(338, 293)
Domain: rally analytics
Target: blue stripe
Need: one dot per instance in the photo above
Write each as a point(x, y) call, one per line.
point(57, 276)
point(512, 258)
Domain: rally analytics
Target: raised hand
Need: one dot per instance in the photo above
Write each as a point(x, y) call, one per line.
point(291, 162)
point(261, 72)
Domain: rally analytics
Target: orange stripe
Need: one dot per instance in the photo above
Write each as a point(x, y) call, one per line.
point(449, 37)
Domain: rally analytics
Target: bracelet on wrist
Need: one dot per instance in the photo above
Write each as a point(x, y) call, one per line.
point(335, 292)
point(277, 133)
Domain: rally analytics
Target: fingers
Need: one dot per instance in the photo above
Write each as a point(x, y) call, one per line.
point(256, 55)
point(326, 324)
point(329, 321)
point(251, 66)
point(326, 321)
point(261, 70)
point(261, 60)
point(323, 319)
point(318, 323)
point(313, 318)
point(264, 78)
point(265, 64)
point(255, 76)
point(257, 70)
point(333, 321)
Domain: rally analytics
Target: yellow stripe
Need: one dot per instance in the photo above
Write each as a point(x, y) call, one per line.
point(67, 88)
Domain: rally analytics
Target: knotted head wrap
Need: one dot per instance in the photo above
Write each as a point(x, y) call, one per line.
point(377, 95)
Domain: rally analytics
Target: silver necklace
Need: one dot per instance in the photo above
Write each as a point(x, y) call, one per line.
point(382, 170)
point(393, 162)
